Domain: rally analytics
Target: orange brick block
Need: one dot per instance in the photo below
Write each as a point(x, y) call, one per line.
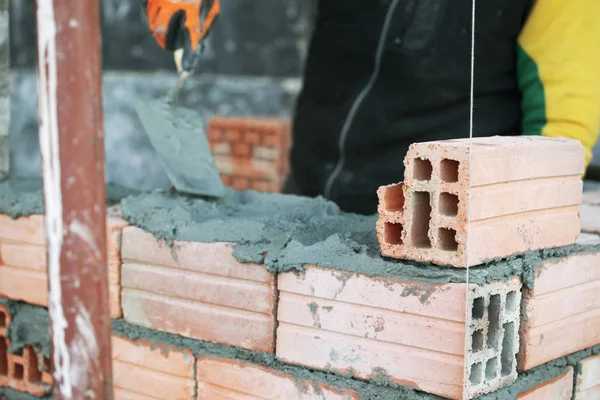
point(413, 332)
point(225, 379)
point(197, 290)
point(23, 268)
point(146, 370)
point(521, 189)
point(4, 320)
point(24, 373)
point(587, 384)
point(559, 388)
point(562, 312)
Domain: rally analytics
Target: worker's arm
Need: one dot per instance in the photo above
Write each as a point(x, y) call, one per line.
point(559, 71)
point(181, 26)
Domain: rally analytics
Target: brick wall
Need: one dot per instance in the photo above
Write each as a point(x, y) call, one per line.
point(196, 323)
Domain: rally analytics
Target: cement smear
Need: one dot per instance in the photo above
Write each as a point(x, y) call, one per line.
point(381, 389)
point(29, 326)
point(10, 394)
point(21, 197)
point(286, 232)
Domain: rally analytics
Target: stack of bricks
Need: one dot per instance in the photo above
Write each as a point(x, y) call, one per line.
point(251, 154)
point(195, 323)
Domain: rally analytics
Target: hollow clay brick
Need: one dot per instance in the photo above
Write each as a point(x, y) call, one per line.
point(23, 268)
point(4, 320)
point(22, 372)
point(520, 189)
point(413, 332)
point(146, 370)
point(225, 379)
point(562, 312)
point(587, 383)
point(559, 388)
point(197, 290)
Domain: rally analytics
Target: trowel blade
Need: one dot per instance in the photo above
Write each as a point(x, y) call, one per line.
point(179, 139)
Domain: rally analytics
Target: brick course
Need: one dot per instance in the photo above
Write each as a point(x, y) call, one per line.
point(562, 311)
point(559, 388)
point(23, 268)
point(28, 372)
point(197, 290)
point(413, 332)
point(521, 189)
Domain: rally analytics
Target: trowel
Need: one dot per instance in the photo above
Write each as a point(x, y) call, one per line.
point(178, 135)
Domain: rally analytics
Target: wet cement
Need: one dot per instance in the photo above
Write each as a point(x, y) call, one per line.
point(29, 326)
point(286, 232)
point(21, 197)
point(10, 394)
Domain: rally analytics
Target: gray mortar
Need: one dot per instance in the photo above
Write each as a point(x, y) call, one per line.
point(10, 394)
point(29, 326)
point(21, 197)
point(286, 232)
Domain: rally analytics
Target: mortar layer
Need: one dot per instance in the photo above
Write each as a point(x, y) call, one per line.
point(21, 197)
point(286, 232)
point(29, 326)
point(10, 394)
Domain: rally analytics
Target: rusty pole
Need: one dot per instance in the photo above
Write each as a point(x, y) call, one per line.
point(71, 143)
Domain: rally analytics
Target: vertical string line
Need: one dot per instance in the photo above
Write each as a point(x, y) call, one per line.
point(467, 247)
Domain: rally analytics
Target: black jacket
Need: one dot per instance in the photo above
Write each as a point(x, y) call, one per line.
point(382, 74)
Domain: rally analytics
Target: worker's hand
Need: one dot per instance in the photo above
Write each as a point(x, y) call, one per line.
point(181, 26)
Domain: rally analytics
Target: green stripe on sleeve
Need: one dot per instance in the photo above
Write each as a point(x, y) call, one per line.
point(533, 101)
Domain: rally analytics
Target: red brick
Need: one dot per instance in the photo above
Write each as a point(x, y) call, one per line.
point(143, 370)
point(178, 290)
point(519, 193)
point(242, 150)
point(559, 388)
point(250, 169)
point(587, 384)
point(562, 312)
point(225, 379)
point(23, 269)
point(22, 372)
point(4, 320)
point(240, 184)
point(414, 332)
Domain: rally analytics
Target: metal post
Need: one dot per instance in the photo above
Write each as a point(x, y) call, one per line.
point(71, 142)
point(4, 90)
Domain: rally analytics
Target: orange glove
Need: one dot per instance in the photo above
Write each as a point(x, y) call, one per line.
point(182, 24)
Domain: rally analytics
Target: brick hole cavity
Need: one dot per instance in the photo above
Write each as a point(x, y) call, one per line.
point(447, 239)
point(477, 344)
point(3, 319)
point(508, 349)
point(33, 371)
point(511, 302)
point(19, 371)
point(421, 217)
point(476, 374)
point(394, 198)
point(422, 169)
point(494, 329)
point(448, 204)
point(392, 233)
point(449, 170)
point(3, 357)
point(491, 368)
point(478, 308)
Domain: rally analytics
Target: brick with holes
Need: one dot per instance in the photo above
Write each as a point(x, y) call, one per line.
point(4, 319)
point(587, 383)
point(411, 331)
point(148, 370)
point(561, 314)
point(23, 372)
point(198, 290)
point(23, 269)
point(516, 190)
